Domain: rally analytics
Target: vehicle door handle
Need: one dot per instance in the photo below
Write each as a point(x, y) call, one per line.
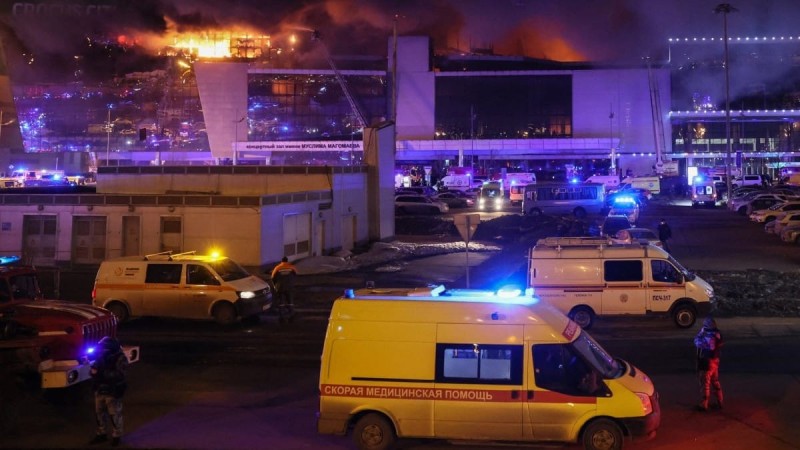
point(514, 394)
point(530, 395)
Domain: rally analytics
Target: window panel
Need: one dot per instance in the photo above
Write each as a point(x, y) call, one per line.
point(479, 364)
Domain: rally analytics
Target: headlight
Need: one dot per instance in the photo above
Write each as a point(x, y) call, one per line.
point(647, 405)
point(498, 201)
point(710, 292)
point(247, 294)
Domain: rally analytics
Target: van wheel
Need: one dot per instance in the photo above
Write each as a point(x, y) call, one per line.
point(224, 313)
point(579, 212)
point(602, 434)
point(374, 432)
point(119, 310)
point(684, 315)
point(583, 316)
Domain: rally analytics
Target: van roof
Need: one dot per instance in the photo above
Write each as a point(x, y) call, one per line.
point(437, 305)
point(593, 248)
point(169, 256)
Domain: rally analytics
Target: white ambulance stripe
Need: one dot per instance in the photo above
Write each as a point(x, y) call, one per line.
point(65, 308)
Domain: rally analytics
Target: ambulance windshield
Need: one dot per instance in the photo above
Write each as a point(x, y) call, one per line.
point(597, 357)
point(228, 270)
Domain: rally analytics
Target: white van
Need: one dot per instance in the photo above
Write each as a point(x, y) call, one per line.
point(610, 181)
point(704, 192)
point(473, 365)
point(181, 285)
point(585, 278)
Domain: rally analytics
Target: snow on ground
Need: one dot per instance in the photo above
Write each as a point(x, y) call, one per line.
point(385, 256)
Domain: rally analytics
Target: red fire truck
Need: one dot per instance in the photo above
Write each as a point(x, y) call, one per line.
point(55, 338)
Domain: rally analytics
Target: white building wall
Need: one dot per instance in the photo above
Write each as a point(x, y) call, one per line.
point(626, 93)
point(223, 94)
point(416, 88)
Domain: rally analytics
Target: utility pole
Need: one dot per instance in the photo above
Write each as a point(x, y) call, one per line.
point(725, 9)
point(611, 139)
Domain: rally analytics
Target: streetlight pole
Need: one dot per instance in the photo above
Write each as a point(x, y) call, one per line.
point(611, 139)
point(108, 136)
point(725, 9)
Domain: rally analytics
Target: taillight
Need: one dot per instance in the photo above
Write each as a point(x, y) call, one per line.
point(94, 293)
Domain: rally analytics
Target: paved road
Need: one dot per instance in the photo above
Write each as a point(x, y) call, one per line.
point(251, 387)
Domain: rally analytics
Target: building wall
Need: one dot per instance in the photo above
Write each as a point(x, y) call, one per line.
point(626, 93)
point(248, 228)
point(223, 94)
point(416, 88)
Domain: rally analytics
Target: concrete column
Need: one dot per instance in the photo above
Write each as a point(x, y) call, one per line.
point(379, 154)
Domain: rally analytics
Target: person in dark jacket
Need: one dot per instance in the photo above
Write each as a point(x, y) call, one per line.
point(109, 385)
point(283, 279)
point(708, 342)
point(664, 233)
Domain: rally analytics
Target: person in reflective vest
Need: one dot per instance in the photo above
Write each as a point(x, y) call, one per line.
point(283, 279)
point(709, 345)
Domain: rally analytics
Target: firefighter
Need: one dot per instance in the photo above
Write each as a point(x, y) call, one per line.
point(283, 279)
point(709, 345)
point(109, 385)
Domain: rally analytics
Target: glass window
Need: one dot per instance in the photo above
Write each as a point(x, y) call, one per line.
point(664, 271)
point(623, 270)
point(163, 273)
point(560, 368)
point(197, 274)
point(24, 287)
point(481, 364)
point(228, 270)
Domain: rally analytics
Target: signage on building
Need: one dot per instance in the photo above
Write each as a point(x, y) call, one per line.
point(308, 146)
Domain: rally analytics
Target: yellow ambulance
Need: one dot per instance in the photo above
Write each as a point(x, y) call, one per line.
point(474, 365)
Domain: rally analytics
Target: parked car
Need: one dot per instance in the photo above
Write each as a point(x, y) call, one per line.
point(766, 215)
point(757, 204)
point(453, 199)
point(741, 204)
point(418, 204)
point(791, 235)
point(786, 220)
point(636, 234)
point(613, 224)
point(750, 180)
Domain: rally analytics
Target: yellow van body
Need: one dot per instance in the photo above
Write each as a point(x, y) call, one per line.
point(473, 365)
point(587, 277)
point(185, 285)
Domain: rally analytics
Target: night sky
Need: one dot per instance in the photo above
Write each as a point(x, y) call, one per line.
point(565, 30)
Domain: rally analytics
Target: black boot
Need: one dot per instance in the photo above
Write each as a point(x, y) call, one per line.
point(100, 438)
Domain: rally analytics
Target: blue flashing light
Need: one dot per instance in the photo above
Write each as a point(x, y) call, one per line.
point(574, 180)
point(624, 200)
point(698, 179)
point(349, 293)
point(90, 350)
point(8, 260)
point(509, 292)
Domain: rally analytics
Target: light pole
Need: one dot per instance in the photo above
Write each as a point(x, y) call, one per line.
point(108, 135)
point(726, 8)
point(611, 139)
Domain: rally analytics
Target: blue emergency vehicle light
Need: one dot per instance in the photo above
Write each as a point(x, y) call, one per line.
point(8, 260)
point(624, 199)
point(349, 293)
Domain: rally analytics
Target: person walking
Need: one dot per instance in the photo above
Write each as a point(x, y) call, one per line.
point(283, 279)
point(664, 233)
point(709, 344)
point(109, 385)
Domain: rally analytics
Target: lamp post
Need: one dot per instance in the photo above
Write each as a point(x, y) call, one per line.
point(108, 136)
point(726, 8)
point(611, 139)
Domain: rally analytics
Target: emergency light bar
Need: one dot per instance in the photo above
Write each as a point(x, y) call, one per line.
point(4, 260)
point(506, 295)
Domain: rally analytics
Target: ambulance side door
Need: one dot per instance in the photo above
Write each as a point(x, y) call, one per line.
point(557, 397)
point(479, 376)
point(625, 292)
point(162, 290)
point(665, 285)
